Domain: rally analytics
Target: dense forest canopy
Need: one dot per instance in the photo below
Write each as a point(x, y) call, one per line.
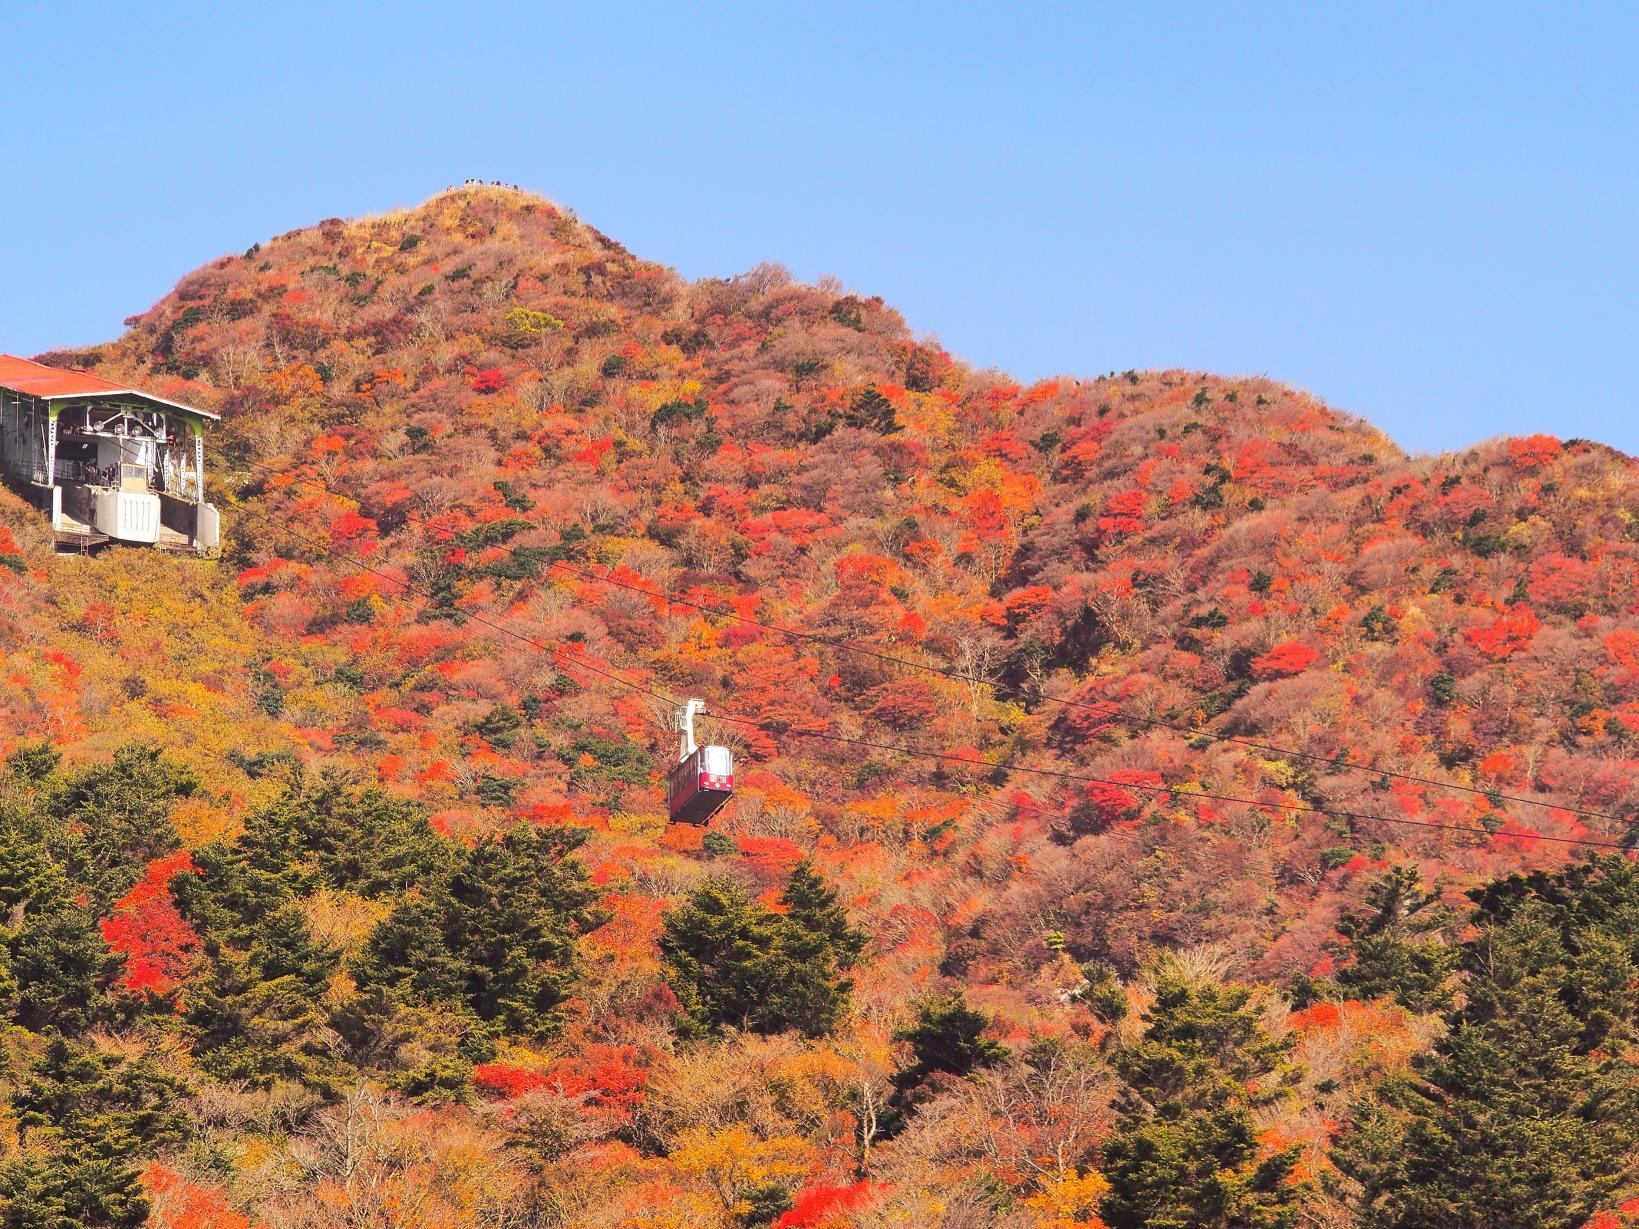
point(1160, 801)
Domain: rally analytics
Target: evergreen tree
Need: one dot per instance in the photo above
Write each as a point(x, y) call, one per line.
point(254, 1012)
point(493, 935)
point(1394, 949)
point(1526, 1112)
point(61, 967)
point(255, 1025)
point(84, 1117)
point(365, 841)
point(720, 949)
point(33, 763)
point(26, 871)
point(235, 903)
point(811, 906)
point(119, 818)
point(734, 963)
point(946, 1036)
point(819, 947)
point(872, 411)
point(1185, 1154)
point(517, 904)
point(408, 954)
point(56, 965)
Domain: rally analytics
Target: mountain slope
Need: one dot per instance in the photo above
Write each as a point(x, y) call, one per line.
point(466, 445)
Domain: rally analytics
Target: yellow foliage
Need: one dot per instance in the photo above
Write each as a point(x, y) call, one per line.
point(929, 416)
point(254, 1152)
point(876, 814)
point(637, 823)
point(784, 800)
point(296, 381)
point(343, 919)
point(1069, 1202)
point(523, 320)
point(733, 1162)
point(680, 1210)
point(1280, 772)
point(649, 396)
point(199, 822)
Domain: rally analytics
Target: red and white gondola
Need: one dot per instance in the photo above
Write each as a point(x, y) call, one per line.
point(702, 780)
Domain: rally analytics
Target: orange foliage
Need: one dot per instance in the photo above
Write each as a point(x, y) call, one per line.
point(178, 1203)
point(1533, 451)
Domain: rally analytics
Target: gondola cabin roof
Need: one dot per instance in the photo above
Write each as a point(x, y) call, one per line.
point(31, 379)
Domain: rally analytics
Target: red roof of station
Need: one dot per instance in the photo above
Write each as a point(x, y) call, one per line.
point(32, 379)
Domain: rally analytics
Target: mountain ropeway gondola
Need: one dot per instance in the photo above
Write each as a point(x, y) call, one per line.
point(702, 780)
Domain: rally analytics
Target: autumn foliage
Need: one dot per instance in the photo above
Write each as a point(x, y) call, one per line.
point(146, 929)
point(1102, 715)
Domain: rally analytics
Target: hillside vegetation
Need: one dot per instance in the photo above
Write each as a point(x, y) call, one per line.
point(1159, 802)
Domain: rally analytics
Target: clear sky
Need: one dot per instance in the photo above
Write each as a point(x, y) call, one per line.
point(1423, 213)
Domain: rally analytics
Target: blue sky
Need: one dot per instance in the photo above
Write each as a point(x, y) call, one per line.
point(1424, 214)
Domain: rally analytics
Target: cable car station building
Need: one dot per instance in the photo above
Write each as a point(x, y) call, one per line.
point(104, 462)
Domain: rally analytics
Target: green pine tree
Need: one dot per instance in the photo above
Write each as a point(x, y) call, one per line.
point(407, 954)
point(33, 763)
point(118, 816)
point(363, 840)
point(84, 1118)
point(1394, 949)
point(493, 935)
point(1526, 1112)
point(734, 963)
point(949, 1036)
point(517, 904)
point(819, 946)
point(812, 907)
point(1185, 1153)
point(56, 967)
point(720, 950)
point(61, 968)
point(255, 1025)
point(872, 411)
point(254, 1010)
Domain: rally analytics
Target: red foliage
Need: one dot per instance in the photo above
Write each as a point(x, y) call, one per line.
point(1108, 804)
point(610, 1076)
point(817, 1207)
point(773, 855)
point(350, 526)
point(1123, 513)
point(1321, 1015)
point(507, 1081)
point(902, 704)
point(1533, 451)
point(178, 1203)
point(489, 380)
point(1507, 634)
point(1561, 582)
point(1293, 657)
point(1021, 604)
point(147, 930)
